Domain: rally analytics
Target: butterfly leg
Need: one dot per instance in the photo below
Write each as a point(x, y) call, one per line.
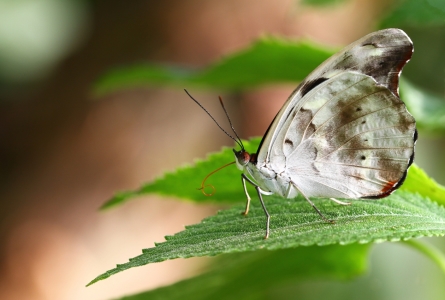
point(314, 207)
point(243, 179)
point(265, 211)
point(260, 192)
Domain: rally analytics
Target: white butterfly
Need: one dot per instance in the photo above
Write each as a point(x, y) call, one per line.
point(343, 132)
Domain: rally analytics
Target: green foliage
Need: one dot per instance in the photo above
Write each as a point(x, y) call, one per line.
point(418, 181)
point(416, 13)
point(255, 275)
point(428, 108)
point(269, 59)
point(294, 223)
point(185, 181)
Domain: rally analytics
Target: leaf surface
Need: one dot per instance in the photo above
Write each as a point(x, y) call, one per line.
point(256, 275)
point(294, 223)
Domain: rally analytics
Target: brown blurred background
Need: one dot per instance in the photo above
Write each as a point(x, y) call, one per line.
point(64, 153)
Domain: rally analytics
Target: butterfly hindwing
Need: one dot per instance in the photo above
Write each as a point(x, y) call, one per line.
point(351, 138)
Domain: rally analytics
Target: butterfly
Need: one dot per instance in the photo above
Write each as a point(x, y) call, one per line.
point(342, 133)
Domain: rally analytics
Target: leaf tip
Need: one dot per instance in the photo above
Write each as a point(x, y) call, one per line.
point(118, 198)
point(98, 278)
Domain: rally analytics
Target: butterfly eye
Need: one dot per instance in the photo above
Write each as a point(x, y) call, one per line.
point(242, 158)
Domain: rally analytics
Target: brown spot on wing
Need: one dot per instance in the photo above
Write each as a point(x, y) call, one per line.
point(386, 69)
point(369, 44)
point(307, 114)
point(396, 50)
point(389, 188)
point(302, 126)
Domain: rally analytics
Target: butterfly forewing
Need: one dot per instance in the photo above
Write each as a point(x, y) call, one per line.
point(380, 55)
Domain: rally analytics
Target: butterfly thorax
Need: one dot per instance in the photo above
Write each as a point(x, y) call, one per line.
point(269, 179)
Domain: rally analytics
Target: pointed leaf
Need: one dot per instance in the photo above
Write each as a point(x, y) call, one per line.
point(185, 181)
point(293, 223)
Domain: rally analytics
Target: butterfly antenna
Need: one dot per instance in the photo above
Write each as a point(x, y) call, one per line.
point(200, 105)
point(240, 143)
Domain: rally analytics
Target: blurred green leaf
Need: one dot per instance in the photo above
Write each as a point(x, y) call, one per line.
point(418, 181)
point(186, 181)
point(400, 216)
point(439, 4)
point(416, 13)
point(269, 59)
point(427, 108)
point(255, 275)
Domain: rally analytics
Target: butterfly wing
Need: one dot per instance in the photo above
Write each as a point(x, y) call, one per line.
point(351, 138)
point(380, 55)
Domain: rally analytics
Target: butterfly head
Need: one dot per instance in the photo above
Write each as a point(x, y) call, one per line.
point(242, 158)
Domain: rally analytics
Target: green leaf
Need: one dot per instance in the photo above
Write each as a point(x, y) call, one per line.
point(294, 223)
point(416, 13)
point(269, 59)
point(418, 181)
point(254, 275)
point(428, 109)
point(184, 182)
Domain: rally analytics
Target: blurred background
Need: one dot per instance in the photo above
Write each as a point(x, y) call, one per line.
point(63, 152)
